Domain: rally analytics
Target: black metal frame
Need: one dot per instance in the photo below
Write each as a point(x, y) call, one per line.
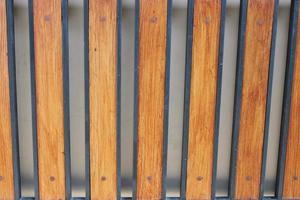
point(188, 61)
point(87, 98)
point(119, 47)
point(33, 98)
point(65, 46)
point(167, 198)
point(135, 98)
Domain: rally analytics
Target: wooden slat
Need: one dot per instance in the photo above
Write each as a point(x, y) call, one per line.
point(151, 92)
point(203, 93)
point(103, 98)
point(291, 184)
point(6, 159)
point(254, 94)
point(49, 98)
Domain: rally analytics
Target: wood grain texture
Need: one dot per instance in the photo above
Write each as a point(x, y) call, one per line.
point(151, 92)
point(49, 98)
point(254, 94)
point(291, 184)
point(103, 98)
point(6, 159)
point(203, 94)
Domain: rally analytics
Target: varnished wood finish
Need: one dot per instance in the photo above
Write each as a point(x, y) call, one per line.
point(254, 94)
point(6, 159)
point(151, 92)
point(291, 185)
point(103, 98)
point(49, 98)
point(203, 98)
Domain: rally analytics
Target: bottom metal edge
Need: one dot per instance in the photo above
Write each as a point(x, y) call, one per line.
point(167, 198)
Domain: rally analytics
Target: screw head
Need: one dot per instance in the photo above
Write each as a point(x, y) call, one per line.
point(103, 18)
point(295, 178)
point(149, 178)
point(52, 178)
point(153, 19)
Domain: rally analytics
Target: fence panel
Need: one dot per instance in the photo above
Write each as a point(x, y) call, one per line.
point(204, 63)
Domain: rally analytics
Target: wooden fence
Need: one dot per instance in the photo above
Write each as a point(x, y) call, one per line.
point(204, 63)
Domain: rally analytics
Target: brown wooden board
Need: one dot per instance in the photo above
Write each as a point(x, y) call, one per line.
point(6, 154)
point(203, 92)
point(48, 59)
point(103, 98)
point(152, 35)
point(291, 184)
point(254, 94)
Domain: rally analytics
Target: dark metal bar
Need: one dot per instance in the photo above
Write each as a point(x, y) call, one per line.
point(289, 75)
point(87, 99)
point(218, 98)
point(167, 198)
point(13, 96)
point(237, 97)
point(166, 99)
point(119, 40)
point(188, 63)
point(65, 51)
point(268, 100)
point(33, 99)
point(136, 101)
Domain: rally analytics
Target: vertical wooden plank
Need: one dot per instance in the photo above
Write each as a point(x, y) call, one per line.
point(151, 77)
point(287, 95)
point(103, 98)
point(48, 72)
point(6, 154)
point(291, 181)
point(203, 93)
point(254, 93)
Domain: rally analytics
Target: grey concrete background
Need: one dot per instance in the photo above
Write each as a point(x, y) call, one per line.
point(176, 95)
